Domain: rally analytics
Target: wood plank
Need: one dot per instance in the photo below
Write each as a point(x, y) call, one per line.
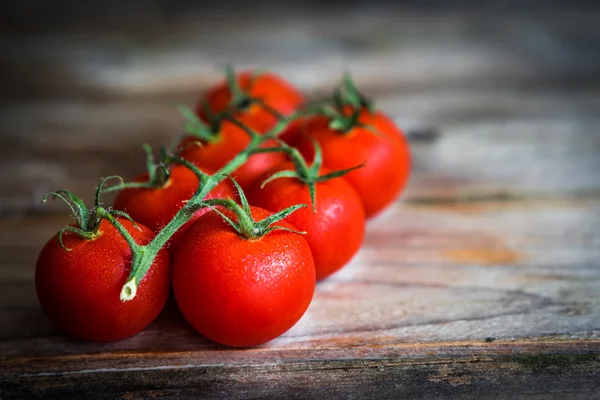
point(528, 374)
point(533, 261)
point(460, 73)
point(483, 280)
point(409, 50)
point(73, 145)
point(447, 299)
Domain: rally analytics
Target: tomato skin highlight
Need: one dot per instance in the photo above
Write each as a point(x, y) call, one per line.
point(386, 153)
point(230, 141)
point(273, 90)
point(79, 290)
point(334, 233)
point(240, 292)
point(155, 207)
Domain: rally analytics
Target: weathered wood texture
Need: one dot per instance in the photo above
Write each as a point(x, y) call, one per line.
point(482, 281)
point(412, 315)
point(526, 84)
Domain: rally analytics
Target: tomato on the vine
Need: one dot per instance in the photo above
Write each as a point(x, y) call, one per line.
point(79, 289)
point(154, 207)
point(374, 139)
point(262, 98)
point(334, 232)
point(223, 146)
point(238, 291)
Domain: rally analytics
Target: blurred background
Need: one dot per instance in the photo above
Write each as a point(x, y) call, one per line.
point(85, 83)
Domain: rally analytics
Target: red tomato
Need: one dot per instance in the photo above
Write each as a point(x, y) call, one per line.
point(228, 143)
point(386, 153)
point(241, 292)
point(80, 289)
point(334, 233)
point(275, 92)
point(155, 207)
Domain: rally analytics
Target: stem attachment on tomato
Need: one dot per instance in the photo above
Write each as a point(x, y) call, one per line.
point(246, 226)
point(349, 94)
point(158, 174)
point(308, 175)
point(175, 159)
point(240, 99)
point(88, 221)
point(347, 104)
point(143, 256)
point(110, 215)
point(194, 126)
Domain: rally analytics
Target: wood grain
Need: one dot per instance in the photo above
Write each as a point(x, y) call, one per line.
point(417, 306)
point(533, 376)
point(481, 281)
point(471, 160)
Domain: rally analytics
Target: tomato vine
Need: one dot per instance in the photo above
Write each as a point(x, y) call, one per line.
point(143, 256)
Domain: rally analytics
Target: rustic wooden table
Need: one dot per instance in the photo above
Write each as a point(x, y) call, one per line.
point(483, 280)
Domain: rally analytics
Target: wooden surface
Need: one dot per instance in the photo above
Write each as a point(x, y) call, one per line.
point(482, 281)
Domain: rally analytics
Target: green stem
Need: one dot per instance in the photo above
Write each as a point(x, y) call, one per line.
point(240, 125)
point(143, 256)
point(101, 185)
point(88, 222)
point(202, 176)
point(236, 91)
point(245, 225)
point(158, 175)
point(75, 203)
point(103, 213)
point(309, 175)
point(351, 95)
point(194, 126)
point(347, 95)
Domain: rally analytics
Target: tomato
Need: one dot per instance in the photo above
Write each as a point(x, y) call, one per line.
point(334, 233)
point(79, 290)
point(155, 207)
point(386, 153)
point(278, 95)
point(227, 143)
point(241, 292)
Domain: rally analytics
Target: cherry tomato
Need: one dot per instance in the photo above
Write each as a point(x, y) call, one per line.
point(155, 207)
point(334, 233)
point(227, 144)
point(386, 153)
point(277, 94)
point(79, 290)
point(241, 292)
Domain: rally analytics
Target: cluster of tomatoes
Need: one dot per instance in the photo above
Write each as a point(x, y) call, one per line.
point(242, 268)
